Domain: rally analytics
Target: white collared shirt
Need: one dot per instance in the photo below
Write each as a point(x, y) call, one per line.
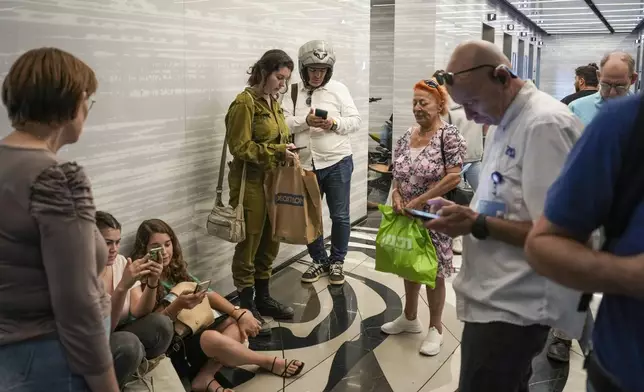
point(495, 282)
point(323, 148)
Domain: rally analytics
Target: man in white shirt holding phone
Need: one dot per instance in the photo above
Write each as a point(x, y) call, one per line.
point(326, 136)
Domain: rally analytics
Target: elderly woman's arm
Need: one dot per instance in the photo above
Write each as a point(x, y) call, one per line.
point(62, 206)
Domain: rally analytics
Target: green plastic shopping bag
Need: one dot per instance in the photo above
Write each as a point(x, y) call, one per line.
point(404, 248)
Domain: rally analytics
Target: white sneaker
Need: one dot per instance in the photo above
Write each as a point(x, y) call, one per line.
point(432, 344)
point(401, 324)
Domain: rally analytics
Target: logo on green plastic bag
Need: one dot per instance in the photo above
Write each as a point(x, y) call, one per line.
point(394, 241)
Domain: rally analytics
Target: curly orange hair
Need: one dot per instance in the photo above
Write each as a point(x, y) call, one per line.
point(438, 92)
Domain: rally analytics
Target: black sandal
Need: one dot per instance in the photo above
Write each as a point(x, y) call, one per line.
point(288, 365)
point(218, 388)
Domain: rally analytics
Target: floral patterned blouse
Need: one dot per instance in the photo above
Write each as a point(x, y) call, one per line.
point(415, 177)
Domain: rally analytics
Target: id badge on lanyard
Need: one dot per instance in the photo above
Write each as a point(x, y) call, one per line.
point(493, 207)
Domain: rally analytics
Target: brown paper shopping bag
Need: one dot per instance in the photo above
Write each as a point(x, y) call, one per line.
point(294, 204)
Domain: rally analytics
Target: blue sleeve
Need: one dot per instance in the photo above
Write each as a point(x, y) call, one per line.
point(580, 199)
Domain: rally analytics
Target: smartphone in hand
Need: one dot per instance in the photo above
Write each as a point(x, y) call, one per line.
point(201, 287)
point(155, 254)
point(296, 149)
point(422, 214)
point(321, 113)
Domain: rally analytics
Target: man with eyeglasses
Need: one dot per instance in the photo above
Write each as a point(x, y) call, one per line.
point(507, 308)
point(322, 115)
point(616, 76)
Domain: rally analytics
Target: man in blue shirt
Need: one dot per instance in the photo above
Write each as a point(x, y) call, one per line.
point(577, 204)
point(617, 75)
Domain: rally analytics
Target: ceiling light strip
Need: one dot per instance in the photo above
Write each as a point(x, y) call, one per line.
point(521, 16)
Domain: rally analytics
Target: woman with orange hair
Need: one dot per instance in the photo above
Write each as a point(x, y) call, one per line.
point(427, 164)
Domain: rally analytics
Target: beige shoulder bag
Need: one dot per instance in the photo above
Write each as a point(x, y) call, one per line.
point(191, 321)
point(226, 222)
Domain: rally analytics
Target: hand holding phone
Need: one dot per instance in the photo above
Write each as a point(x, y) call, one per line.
point(296, 149)
point(421, 214)
point(155, 254)
point(201, 287)
point(323, 114)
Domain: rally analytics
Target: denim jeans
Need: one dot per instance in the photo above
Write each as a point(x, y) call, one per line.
point(335, 183)
point(148, 337)
point(37, 365)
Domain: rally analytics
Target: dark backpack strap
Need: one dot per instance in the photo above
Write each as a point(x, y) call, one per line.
point(294, 96)
point(628, 192)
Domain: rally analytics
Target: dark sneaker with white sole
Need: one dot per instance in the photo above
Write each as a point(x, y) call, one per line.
point(336, 275)
point(315, 272)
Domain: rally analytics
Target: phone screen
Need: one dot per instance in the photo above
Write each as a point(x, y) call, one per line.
point(321, 113)
point(422, 214)
point(201, 287)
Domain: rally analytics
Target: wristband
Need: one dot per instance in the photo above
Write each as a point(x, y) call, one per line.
point(240, 316)
point(152, 287)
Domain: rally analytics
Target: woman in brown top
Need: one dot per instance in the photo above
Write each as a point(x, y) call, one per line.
point(53, 309)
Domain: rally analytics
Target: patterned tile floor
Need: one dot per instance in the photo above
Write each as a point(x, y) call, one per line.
point(336, 332)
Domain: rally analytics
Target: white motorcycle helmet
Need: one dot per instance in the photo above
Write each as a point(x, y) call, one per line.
point(316, 53)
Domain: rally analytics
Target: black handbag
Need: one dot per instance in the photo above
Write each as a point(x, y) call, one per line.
point(458, 195)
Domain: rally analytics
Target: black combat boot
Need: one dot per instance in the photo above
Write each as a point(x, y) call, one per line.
point(247, 301)
point(267, 305)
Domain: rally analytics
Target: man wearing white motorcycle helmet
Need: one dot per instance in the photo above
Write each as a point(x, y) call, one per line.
point(321, 115)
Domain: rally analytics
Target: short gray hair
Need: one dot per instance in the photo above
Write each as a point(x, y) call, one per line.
point(625, 57)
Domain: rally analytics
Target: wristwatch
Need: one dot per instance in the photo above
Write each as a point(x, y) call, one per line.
point(479, 228)
point(334, 127)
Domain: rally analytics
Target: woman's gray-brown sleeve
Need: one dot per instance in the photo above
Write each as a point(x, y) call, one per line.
point(63, 207)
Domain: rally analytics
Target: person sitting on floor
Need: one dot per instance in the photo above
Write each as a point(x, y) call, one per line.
point(200, 356)
point(138, 331)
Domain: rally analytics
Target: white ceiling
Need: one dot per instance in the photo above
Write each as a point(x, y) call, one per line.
point(576, 16)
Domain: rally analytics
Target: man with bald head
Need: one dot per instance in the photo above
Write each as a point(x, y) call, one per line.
point(506, 306)
point(616, 76)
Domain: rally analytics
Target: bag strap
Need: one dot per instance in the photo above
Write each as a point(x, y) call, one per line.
point(628, 192)
point(294, 96)
point(222, 169)
point(443, 151)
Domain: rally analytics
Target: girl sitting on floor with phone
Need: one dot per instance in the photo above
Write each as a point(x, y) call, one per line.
point(199, 356)
point(137, 331)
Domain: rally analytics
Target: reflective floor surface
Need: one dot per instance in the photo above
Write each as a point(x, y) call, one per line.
point(336, 332)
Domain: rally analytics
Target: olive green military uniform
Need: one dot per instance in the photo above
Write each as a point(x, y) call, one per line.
point(257, 135)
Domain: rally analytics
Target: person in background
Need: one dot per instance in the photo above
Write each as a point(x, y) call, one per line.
point(139, 332)
point(557, 246)
point(586, 83)
point(427, 163)
point(328, 150)
point(617, 75)
point(506, 306)
point(258, 138)
point(387, 133)
point(54, 312)
point(473, 134)
point(200, 356)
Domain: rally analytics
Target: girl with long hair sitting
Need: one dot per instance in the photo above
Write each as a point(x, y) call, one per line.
point(201, 355)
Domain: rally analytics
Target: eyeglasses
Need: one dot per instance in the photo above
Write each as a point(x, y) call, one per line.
point(443, 77)
point(90, 103)
point(619, 88)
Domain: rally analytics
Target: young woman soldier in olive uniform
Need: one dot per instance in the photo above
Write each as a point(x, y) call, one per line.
point(258, 137)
